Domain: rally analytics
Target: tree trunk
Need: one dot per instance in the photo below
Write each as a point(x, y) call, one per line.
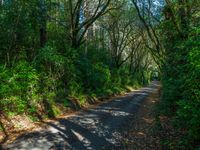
point(43, 36)
point(43, 23)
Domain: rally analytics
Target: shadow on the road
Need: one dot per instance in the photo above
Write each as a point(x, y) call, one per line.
point(97, 128)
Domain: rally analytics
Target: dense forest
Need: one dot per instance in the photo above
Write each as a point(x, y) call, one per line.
point(56, 54)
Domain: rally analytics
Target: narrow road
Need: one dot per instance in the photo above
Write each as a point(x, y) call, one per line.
point(94, 129)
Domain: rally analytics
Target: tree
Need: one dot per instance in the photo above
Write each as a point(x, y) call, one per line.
point(79, 24)
point(148, 17)
point(121, 29)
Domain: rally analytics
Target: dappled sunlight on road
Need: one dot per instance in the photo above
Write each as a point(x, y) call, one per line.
point(96, 128)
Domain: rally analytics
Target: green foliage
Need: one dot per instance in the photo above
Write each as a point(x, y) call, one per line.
point(39, 69)
point(181, 94)
point(188, 112)
point(99, 76)
point(74, 89)
point(50, 56)
point(18, 87)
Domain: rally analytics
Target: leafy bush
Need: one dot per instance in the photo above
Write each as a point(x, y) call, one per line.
point(19, 86)
point(100, 76)
point(116, 79)
point(188, 112)
point(181, 94)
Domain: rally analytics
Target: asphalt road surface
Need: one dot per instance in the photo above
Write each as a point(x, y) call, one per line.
point(97, 128)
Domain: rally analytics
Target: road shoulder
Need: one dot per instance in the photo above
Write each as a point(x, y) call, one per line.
point(140, 134)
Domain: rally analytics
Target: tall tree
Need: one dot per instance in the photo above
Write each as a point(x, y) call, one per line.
point(79, 24)
point(147, 12)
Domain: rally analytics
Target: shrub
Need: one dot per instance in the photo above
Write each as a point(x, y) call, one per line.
point(188, 112)
point(19, 86)
point(100, 76)
point(181, 96)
